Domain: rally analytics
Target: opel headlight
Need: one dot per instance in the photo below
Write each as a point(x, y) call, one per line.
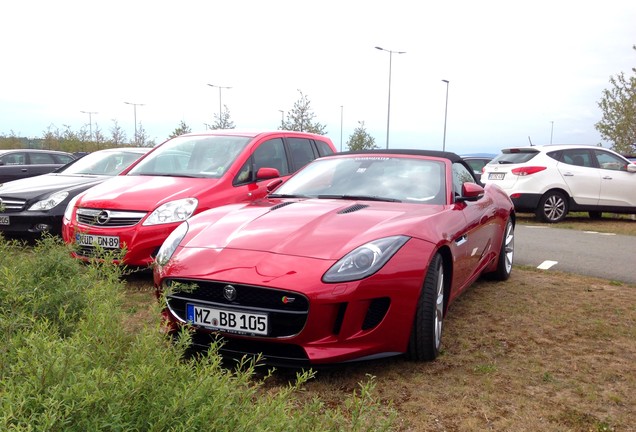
point(170, 244)
point(173, 211)
point(364, 260)
point(50, 202)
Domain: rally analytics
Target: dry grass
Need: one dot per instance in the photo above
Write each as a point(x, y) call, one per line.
point(540, 352)
point(619, 224)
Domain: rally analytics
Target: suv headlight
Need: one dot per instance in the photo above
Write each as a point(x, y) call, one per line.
point(173, 211)
point(170, 244)
point(50, 202)
point(365, 260)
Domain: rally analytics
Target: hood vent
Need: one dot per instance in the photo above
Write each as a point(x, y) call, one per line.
point(281, 205)
point(353, 208)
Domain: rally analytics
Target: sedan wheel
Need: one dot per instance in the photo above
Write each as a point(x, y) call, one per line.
point(553, 207)
point(426, 334)
point(506, 254)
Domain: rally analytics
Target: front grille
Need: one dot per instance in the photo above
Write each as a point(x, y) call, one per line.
point(287, 310)
point(108, 218)
point(12, 205)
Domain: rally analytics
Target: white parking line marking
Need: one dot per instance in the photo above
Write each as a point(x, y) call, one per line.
point(545, 265)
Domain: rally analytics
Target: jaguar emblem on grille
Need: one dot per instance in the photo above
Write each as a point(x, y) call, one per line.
point(229, 292)
point(103, 217)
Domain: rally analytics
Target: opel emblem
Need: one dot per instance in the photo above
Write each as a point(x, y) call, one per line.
point(229, 292)
point(103, 217)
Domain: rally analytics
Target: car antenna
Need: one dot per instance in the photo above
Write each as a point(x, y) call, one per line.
point(530, 141)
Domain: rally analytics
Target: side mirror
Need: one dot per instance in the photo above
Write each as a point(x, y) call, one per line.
point(470, 192)
point(630, 168)
point(267, 173)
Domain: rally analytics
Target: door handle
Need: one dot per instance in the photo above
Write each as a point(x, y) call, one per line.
point(607, 178)
point(568, 174)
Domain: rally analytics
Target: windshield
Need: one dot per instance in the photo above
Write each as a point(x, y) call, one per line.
point(195, 156)
point(405, 179)
point(514, 156)
point(108, 163)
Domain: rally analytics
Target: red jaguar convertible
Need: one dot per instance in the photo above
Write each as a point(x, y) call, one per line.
point(357, 256)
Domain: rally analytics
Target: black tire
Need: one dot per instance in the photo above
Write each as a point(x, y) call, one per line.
point(426, 334)
point(596, 215)
point(506, 255)
point(553, 207)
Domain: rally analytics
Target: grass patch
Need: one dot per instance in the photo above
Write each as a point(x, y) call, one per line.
point(71, 361)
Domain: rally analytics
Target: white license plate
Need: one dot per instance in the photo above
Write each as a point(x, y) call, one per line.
point(230, 321)
point(496, 176)
point(107, 242)
point(4, 220)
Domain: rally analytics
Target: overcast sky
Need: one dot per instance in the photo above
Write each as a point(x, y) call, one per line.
point(517, 72)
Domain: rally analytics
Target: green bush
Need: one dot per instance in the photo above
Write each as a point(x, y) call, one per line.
point(68, 364)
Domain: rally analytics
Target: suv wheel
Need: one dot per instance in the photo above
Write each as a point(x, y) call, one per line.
point(553, 207)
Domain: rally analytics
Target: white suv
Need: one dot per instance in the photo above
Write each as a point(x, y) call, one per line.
point(554, 179)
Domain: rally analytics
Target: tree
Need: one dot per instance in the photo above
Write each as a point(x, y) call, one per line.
point(222, 121)
point(618, 105)
point(182, 129)
point(360, 139)
point(117, 134)
point(141, 138)
point(301, 118)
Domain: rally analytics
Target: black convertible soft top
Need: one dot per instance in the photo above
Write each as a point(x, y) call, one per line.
point(453, 157)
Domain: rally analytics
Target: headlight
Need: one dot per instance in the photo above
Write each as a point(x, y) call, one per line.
point(173, 211)
point(364, 260)
point(170, 244)
point(69, 208)
point(50, 202)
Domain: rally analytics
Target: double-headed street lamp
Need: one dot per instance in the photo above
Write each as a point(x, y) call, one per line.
point(445, 115)
point(220, 104)
point(90, 122)
point(135, 114)
point(388, 111)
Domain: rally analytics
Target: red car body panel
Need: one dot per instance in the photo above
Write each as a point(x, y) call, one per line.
point(289, 245)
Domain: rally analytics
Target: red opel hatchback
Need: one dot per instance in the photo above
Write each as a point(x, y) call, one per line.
point(181, 177)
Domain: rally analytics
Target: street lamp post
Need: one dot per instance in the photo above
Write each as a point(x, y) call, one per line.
point(282, 118)
point(551, 131)
point(90, 122)
point(135, 115)
point(445, 116)
point(341, 117)
point(388, 111)
point(220, 104)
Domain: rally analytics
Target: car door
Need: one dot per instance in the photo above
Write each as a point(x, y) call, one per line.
point(476, 239)
point(578, 171)
point(267, 154)
point(618, 187)
point(13, 166)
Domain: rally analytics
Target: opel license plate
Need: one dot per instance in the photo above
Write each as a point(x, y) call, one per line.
point(107, 242)
point(496, 176)
point(230, 321)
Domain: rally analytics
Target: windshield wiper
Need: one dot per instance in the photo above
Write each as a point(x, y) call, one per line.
point(359, 197)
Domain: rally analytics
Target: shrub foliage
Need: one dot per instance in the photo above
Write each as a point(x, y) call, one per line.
point(68, 364)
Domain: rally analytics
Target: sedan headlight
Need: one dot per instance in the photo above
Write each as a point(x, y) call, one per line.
point(50, 202)
point(173, 211)
point(170, 244)
point(364, 260)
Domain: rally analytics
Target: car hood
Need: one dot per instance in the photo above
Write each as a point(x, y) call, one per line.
point(143, 193)
point(317, 228)
point(32, 187)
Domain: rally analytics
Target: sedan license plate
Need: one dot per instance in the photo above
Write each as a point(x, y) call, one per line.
point(4, 220)
point(496, 176)
point(107, 242)
point(230, 321)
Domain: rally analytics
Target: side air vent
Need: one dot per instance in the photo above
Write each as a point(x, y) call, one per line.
point(353, 208)
point(281, 205)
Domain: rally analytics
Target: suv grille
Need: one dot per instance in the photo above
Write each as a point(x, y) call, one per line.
point(108, 218)
point(13, 205)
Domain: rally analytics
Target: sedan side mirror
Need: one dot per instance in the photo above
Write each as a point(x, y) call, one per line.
point(267, 173)
point(470, 192)
point(631, 168)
